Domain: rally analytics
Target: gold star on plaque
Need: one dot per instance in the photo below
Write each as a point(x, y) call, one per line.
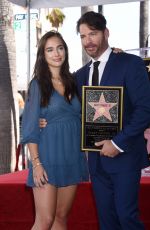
point(148, 66)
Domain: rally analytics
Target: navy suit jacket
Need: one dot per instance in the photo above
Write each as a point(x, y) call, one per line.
point(128, 71)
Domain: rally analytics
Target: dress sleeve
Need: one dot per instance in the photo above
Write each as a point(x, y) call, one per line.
point(30, 120)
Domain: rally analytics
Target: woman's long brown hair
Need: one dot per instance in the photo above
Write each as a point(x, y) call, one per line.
point(43, 75)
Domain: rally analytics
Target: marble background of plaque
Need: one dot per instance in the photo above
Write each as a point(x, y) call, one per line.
point(101, 114)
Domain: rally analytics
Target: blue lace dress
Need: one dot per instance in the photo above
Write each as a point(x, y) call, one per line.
point(59, 142)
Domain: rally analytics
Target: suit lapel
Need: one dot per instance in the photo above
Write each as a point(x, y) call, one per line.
point(108, 70)
point(87, 73)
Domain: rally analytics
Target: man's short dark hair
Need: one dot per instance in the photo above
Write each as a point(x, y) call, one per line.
point(93, 20)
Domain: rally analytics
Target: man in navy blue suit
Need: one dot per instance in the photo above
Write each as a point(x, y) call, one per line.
point(116, 170)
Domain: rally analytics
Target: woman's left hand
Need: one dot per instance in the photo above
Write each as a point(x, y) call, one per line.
point(39, 176)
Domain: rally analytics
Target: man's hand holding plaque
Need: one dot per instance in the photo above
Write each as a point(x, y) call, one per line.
point(107, 148)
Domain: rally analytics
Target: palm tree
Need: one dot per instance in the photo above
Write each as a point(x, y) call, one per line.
point(8, 89)
point(56, 18)
point(144, 17)
point(85, 57)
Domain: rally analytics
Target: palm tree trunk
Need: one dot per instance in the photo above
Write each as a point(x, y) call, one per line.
point(8, 90)
point(144, 17)
point(100, 9)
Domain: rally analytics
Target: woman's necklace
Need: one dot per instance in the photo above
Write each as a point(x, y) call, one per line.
point(57, 80)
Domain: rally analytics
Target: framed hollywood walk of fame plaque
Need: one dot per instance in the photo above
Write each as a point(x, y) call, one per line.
point(101, 114)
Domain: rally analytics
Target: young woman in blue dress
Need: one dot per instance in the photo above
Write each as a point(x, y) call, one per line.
point(56, 163)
